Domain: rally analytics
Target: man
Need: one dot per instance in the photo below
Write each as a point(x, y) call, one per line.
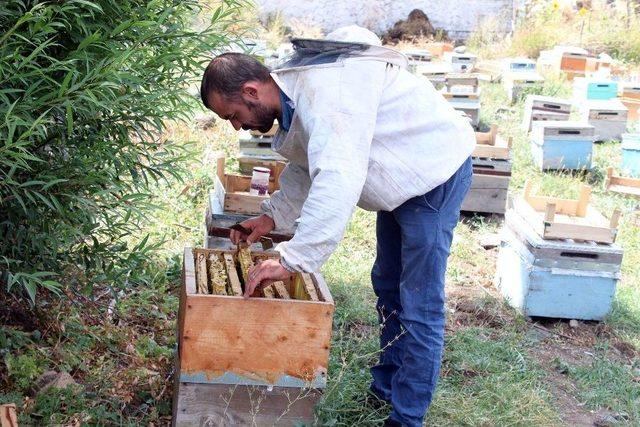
point(358, 129)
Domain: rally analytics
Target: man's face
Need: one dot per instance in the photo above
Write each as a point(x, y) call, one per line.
point(245, 112)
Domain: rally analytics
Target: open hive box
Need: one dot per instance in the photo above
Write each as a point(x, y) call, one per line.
point(556, 218)
point(622, 185)
point(232, 191)
point(491, 145)
point(279, 337)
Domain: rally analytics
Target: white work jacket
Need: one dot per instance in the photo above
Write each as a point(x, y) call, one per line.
point(365, 132)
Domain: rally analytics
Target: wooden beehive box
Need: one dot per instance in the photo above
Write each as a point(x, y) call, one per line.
point(623, 185)
point(631, 154)
point(434, 72)
point(516, 83)
point(562, 145)
point(232, 192)
point(461, 62)
point(630, 91)
point(489, 186)
point(609, 117)
point(264, 340)
point(574, 62)
point(489, 70)
point(556, 218)
point(462, 83)
point(591, 88)
point(555, 278)
point(544, 108)
point(518, 65)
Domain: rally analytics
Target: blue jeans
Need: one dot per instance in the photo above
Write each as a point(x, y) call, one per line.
point(408, 278)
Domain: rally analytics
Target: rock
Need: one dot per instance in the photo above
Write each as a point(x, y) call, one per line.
point(574, 323)
point(205, 121)
point(490, 241)
point(605, 420)
point(416, 25)
point(53, 379)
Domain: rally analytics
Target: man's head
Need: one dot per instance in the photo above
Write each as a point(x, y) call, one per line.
point(239, 88)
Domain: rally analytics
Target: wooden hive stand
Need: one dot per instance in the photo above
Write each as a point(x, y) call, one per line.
point(256, 361)
point(490, 145)
point(622, 185)
point(556, 218)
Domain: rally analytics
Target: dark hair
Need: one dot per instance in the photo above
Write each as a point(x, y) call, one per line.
point(226, 74)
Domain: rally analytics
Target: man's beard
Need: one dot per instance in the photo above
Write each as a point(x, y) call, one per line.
point(263, 116)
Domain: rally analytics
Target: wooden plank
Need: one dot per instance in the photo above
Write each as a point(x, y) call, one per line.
point(625, 190)
point(256, 338)
point(232, 274)
point(199, 405)
point(243, 203)
point(487, 138)
point(281, 290)
point(8, 415)
point(202, 283)
point(579, 232)
point(309, 287)
point(485, 200)
point(539, 203)
point(322, 289)
point(613, 179)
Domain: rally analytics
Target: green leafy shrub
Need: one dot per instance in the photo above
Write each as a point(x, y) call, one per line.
point(86, 88)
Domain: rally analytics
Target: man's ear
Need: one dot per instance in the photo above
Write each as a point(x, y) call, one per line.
point(250, 90)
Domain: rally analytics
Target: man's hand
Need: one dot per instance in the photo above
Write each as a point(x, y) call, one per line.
point(258, 226)
point(267, 271)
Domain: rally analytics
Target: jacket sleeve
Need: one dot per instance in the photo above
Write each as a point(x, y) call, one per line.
point(284, 205)
point(338, 109)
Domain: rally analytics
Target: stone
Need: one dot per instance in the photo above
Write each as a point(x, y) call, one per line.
point(574, 323)
point(490, 241)
point(205, 121)
point(53, 379)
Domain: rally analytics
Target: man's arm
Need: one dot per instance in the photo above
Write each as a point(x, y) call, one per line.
point(284, 206)
point(338, 108)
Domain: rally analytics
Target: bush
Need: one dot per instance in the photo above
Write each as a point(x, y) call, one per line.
point(85, 90)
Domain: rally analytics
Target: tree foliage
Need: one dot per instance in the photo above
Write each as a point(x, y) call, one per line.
point(86, 88)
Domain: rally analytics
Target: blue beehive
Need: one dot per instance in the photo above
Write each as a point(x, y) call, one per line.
point(562, 144)
point(584, 88)
point(556, 278)
point(631, 154)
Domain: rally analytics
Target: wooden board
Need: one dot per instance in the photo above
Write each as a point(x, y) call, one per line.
point(255, 341)
point(199, 405)
point(622, 185)
point(218, 222)
point(488, 194)
point(490, 145)
point(247, 163)
point(8, 416)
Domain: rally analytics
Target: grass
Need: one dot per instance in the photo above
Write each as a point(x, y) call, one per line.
point(496, 368)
